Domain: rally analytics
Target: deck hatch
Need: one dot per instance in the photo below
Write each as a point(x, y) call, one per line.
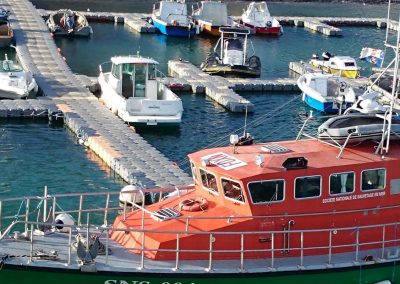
point(165, 214)
point(274, 148)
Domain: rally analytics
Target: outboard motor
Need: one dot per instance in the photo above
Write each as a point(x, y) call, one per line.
point(326, 55)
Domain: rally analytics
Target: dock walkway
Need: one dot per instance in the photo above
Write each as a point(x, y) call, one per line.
point(109, 137)
point(220, 89)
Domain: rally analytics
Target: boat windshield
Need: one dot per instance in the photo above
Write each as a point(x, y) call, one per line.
point(234, 44)
point(10, 66)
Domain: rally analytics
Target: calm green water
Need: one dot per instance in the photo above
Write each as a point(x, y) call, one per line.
point(34, 155)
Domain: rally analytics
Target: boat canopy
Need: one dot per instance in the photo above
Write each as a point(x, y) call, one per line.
point(214, 12)
point(169, 8)
point(132, 59)
point(259, 7)
point(343, 62)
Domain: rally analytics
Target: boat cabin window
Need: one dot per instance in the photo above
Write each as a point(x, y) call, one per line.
point(349, 64)
point(307, 187)
point(116, 71)
point(232, 189)
point(194, 173)
point(373, 179)
point(266, 191)
point(341, 183)
point(208, 181)
point(152, 72)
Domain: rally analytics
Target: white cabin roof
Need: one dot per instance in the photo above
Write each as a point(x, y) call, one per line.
point(132, 59)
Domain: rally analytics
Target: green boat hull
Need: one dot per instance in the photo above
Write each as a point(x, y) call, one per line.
point(357, 274)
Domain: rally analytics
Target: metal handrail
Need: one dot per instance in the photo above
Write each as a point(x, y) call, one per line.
point(240, 248)
point(29, 200)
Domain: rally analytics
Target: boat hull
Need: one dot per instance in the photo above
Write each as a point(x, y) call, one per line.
point(177, 31)
point(326, 107)
point(210, 30)
point(354, 274)
point(264, 30)
point(84, 32)
point(232, 71)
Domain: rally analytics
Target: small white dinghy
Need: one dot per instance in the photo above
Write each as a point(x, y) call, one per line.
point(15, 83)
point(357, 127)
point(131, 90)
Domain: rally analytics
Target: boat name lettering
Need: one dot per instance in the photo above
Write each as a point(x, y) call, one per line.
point(224, 161)
point(353, 197)
point(138, 282)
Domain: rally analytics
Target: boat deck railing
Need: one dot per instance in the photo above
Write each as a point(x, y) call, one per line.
point(385, 249)
point(298, 244)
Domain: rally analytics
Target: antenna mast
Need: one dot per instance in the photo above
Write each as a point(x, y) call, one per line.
point(388, 115)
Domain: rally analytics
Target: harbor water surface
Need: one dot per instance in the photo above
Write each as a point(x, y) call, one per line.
point(34, 155)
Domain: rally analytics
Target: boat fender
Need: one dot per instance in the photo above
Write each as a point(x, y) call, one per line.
point(193, 204)
point(269, 24)
point(63, 219)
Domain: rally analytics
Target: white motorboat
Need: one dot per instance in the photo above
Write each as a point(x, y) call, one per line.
point(344, 66)
point(66, 22)
point(257, 17)
point(15, 83)
point(131, 90)
point(326, 93)
point(170, 18)
point(212, 15)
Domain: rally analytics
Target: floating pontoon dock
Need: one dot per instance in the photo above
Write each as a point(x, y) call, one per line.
point(109, 137)
point(324, 25)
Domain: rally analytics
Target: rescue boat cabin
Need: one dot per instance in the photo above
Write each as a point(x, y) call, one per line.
point(276, 195)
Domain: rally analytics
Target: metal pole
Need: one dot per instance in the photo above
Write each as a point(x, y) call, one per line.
point(45, 204)
point(272, 250)
point(210, 253)
point(27, 214)
point(1, 216)
point(241, 252)
point(301, 248)
point(357, 243)
point(31, 249)
point(383, 241)
point(106, 210)
point(69, 245)
point(394, 86)
point(80, 209)
point(177, 252)
point(330, 247)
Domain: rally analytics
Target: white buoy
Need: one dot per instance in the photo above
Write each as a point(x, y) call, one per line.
point(63, 219)
point(129, 195)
